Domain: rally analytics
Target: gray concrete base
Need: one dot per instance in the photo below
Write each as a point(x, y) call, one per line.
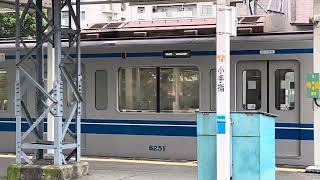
point(47, 172)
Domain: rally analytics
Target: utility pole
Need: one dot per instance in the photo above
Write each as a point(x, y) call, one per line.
point(38, 67)
point(225, 28)
point(49, 101)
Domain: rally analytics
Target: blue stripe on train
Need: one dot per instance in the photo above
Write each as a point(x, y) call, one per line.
point(167, 122)
point(294, 125)
point(288, 131)
point(294, 134)
point(193, 53)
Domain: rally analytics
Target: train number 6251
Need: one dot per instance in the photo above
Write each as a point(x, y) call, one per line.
point(157, 148)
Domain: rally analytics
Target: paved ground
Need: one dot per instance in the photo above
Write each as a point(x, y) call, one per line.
point(124, 169)
point(142, 170)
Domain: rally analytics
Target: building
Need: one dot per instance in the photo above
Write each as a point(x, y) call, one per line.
point(98, 13)
point(177, 10)
point(297, 11)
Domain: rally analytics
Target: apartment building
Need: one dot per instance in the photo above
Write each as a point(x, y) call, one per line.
point(98, 13)
point(101, 13)
point(178, 10)
point(297, 11)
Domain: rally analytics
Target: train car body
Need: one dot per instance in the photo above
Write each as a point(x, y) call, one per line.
point(141, 94)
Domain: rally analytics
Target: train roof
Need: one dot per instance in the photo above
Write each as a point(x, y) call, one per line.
point(246, 25)
point(269, 37)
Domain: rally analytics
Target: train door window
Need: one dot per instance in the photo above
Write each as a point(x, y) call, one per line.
point(137, 89)
point(179, 89)
point(3, 90)
point(101, 90)
point(284, 89)
point(251, 89)
point(213, 89)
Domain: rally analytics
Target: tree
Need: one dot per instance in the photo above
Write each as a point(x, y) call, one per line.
point(7, 25)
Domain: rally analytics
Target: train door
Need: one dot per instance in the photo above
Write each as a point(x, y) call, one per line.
point(273, 87)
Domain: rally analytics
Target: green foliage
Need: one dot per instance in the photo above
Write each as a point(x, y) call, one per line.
point(7, 25)
point(13, 172)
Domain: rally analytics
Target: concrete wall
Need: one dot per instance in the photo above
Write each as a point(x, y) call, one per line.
point(304, 10)
point(102, 13)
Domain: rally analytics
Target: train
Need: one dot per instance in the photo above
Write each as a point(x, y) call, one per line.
point(141, 94)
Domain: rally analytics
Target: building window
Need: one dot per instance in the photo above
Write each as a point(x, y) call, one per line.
point(179, 8)
point(101, 90)
point(191, 8)
point(141, 10)
point(3, 90)
point(154, 9)
point(83, 15)
point(123, 7)
point(251, 89)
point(206, 10)
point(159, 89)
point(64, 18)
point(285, 89)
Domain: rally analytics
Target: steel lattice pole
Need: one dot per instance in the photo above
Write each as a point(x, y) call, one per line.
point(17, 86)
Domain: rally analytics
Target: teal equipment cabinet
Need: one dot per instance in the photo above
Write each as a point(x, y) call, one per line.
point(253, 146)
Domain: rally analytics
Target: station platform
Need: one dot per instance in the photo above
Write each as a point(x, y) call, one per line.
point(102, 168)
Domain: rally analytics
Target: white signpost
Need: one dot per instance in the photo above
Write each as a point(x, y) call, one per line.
point(226, 27)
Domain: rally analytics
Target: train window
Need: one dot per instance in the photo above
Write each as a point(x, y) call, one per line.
point(179, 89)
point(101, 90)
point(285, 89)
point(3, 90)
point(157, 89)
point(137, 89)
point(251, 89)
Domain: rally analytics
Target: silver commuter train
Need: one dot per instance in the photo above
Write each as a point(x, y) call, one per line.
point(141, 94)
